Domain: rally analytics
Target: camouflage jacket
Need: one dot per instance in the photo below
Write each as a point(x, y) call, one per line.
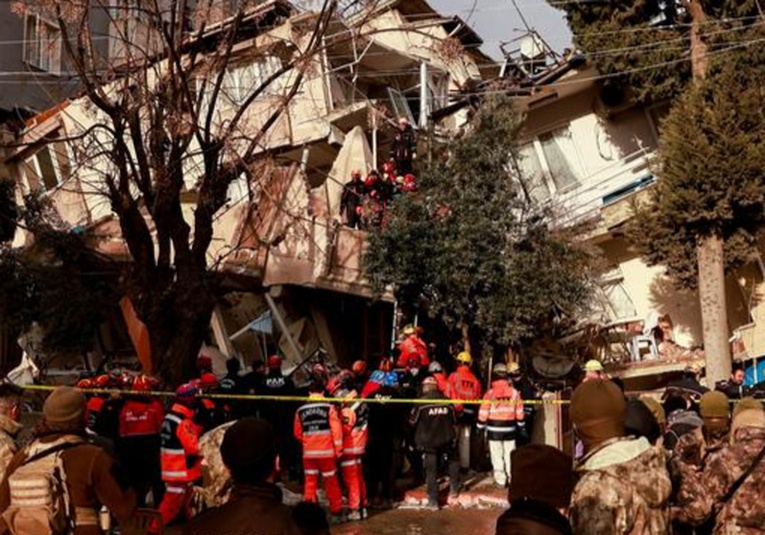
point(215, 476)
point(702, 488)
point(8, 430)
point(623, 489)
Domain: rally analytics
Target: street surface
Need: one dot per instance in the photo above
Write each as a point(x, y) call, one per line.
point(418, 522)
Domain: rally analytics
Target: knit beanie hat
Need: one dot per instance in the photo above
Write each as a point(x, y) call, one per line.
point(542, 473)
point(65, 406)
point(529, 517)
point(714, 404)
point(598, 408)
point(747, 413)
point(248, 449)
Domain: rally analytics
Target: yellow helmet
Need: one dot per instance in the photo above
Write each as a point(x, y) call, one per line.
point(513, 368)
point(465, 358)
point(593, 366)
point(409, 330)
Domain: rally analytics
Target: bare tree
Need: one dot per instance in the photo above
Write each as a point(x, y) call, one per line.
point(165, 122)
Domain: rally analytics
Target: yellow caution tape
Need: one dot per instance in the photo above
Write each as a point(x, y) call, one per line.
point(383, 401)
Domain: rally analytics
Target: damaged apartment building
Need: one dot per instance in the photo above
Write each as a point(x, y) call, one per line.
point(293, 271)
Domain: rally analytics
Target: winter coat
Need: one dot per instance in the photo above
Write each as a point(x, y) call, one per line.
point(701, 489)
point(623, 489)
point(501, 420)
point(255, 509)
point(434, 425)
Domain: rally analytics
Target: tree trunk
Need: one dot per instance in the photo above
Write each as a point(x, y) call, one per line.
point(713, 308)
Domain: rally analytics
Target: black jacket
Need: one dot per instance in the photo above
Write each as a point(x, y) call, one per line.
point(732, 390)
point(434, 424)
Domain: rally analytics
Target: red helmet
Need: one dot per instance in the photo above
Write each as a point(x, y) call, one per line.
point(334, 385)
point(274, 362)
point(359, 367)
point(142, 383)
point(204, 362)
point(84, 383)
point(208, 380)
point(102, 381)
point(386, 365)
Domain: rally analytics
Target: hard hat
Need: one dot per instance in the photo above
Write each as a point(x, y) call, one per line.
point(359, 367)
point(465, 358)
point(186, 391)
point(409, 330)
point(274, 362)
point(694, 368)
point(319, 370)
point(208, 380)
point(102, 381)
point(593, 366)
point(386, 365)
point(500, 370)
point(142, 383)
point(84, 383)
point(513, 368)
point(334, 385)
point(435, 367)
point(403, 120)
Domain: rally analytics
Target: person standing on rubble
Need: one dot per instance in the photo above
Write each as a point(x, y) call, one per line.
point(352, 199)
point(403, 150)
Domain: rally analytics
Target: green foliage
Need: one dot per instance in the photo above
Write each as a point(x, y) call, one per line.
point(469, 244)
point(712, 156)
point(57, 283)
point(643, 45)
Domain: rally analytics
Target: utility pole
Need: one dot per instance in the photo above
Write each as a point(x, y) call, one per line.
point(709, 249)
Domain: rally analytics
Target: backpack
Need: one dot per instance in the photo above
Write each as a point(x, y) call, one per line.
point(39, 497)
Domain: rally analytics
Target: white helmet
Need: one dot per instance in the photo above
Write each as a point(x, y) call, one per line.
point(435, 367)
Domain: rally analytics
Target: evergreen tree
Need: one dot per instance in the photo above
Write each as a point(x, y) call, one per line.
point(470, 245)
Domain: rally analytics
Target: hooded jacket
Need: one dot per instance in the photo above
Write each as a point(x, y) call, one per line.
point(623, 489)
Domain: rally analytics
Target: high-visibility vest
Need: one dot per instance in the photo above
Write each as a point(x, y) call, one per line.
point(502, 420)
point(319, 429)
point(179, 452)
point(355, 429)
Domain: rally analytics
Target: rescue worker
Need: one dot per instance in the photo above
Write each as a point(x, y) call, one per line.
point(281, 415)
point(593, 370)
point(355, 417)
point(233, 384)
point(96, 401)
point(436, 371)
point(434, 436)
point(529, 393)
point(360, 375)
point(141, 420)
point(503, 422)
point(10, 418)
point(210, 413)
point(319, 429)
point(351, 200)
point(403, 150)
point(464, 385)
point(413, 350)
point(179, 453)
point(91, 477)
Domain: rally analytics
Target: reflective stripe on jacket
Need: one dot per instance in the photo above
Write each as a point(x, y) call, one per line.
point(355, 429)
point(319, 429)
point(179, 453)
point(502, 420)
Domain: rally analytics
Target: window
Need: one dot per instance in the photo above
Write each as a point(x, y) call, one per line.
point(615, 300)
point(42, 44)
point(550, 164)
point(438, 90)
point(400, 105)
point(48, 168)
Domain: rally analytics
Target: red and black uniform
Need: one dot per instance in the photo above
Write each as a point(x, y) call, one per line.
point(355, 437)
point(140, 424)
point(463, 384)
point(319, 429)
point(179, 458)
point(414, 353)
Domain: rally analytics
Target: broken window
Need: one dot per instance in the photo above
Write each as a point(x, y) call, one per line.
point(550, 164)
point(400, 105)
point(48, 168)
point(42, 44)
point(615, 300)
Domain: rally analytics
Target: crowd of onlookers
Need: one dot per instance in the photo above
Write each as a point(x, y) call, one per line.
point(688, 462)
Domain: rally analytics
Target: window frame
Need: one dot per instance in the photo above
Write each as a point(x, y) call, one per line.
point(41, 44)
point(547, 176)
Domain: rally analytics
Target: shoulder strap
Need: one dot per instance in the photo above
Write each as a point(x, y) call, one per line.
point(50, 451)
point(743, 477)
